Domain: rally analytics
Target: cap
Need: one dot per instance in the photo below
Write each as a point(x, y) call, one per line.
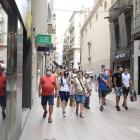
point(119, 66)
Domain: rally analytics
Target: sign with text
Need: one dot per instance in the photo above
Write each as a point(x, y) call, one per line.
point(43, 39)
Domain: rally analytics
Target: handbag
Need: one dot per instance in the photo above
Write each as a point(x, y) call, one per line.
point(72, 102)
point(58, 102)
point(133, 96)
point(86, 93)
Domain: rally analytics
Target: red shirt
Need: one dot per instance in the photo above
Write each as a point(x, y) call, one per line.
point(48, 83)
point(2, 85)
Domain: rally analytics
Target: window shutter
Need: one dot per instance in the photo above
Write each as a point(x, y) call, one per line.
point(122, 27)
point(112, 36)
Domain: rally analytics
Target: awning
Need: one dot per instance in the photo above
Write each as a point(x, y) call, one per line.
point(56, 64)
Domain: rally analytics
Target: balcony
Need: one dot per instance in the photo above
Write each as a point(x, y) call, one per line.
point(71, 26)
point(135, 30)
point(119, 7)
point(72, 47)
point(1, 19)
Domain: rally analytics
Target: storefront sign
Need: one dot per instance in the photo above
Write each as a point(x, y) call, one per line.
point(43, 39)
point(120, 56)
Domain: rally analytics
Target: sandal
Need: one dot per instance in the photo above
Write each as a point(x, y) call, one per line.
point(123, 105)
point(44, 115)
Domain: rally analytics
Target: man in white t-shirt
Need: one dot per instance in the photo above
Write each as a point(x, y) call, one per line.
point(126, 78)
point(91, 74)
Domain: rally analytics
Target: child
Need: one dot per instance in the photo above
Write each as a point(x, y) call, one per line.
point(72, 81)
point(89, 82)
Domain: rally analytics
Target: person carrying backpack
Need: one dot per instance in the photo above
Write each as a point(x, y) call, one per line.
point(102, 88)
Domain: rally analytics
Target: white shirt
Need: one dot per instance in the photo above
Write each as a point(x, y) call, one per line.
point(71, 89)
point(66, 85)
point(74, 75)
point(89, 84)
point(91, 73)
point(126, 78)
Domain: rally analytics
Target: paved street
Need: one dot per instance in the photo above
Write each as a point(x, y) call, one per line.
point(97, 125)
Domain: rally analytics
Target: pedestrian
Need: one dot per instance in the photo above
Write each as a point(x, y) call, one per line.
point(126, 80)
point(118, 85)
point(64, 91)
point(81, 87)
point(53, 73)
point(48, 84)
point(108, 82)
point(2, 92)
point(91, 74)
point(74, 74)
point(112, 80)
point(71, 84)
point(89, 82)
point(101, 83)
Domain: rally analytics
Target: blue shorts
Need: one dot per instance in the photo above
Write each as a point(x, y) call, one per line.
point(119, 91)
point(64, 96)
point(80, 98)
point(3, 101)
point(44, 100)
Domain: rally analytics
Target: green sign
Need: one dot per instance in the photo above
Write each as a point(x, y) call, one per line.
point(43, 39)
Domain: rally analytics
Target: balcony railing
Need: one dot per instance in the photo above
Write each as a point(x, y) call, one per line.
point(119, 7)
point(136, 25)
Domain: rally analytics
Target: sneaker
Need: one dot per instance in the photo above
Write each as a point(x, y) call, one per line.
point(50, 120)
point(118, 108)
point(101, 108)
point(3, 115)
point(82, 116)
point(44, 115)
point(126, 108)
point(76, 112)
point(64, 114)
point(104, 103)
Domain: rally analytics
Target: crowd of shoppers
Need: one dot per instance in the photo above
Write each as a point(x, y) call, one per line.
point(78, 85)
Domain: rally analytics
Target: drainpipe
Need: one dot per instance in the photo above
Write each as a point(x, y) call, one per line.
point(134, 11)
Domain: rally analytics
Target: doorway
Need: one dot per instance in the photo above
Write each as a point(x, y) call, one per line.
point(139, 76)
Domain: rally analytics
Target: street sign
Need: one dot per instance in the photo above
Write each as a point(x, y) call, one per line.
point(43, 39)
point(43, 49)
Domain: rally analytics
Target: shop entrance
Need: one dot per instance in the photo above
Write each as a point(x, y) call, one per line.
point(124, 64)
point(139, 77)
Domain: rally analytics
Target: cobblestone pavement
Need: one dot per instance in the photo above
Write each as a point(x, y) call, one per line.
point(107, 125)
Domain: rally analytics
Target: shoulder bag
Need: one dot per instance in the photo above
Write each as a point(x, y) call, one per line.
point(86, 93)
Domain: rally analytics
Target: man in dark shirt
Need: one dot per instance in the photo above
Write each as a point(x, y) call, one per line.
point(118, 85)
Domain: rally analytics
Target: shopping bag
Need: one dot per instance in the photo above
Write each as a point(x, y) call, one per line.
point(58, 102)
point(133, 96)
point(72, 102)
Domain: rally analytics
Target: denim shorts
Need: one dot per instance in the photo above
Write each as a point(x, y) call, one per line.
point(44, 100)
point(80, 98)
point(119, 91)
point(3, 101)
point(64, 96)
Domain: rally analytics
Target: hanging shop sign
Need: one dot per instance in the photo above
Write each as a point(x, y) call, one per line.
point(43, 39)
point(120, 56)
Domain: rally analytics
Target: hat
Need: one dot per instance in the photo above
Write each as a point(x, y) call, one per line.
point(119, 66)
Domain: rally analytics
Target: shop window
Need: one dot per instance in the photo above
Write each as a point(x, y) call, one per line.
point(117, 34)
point(128, 28)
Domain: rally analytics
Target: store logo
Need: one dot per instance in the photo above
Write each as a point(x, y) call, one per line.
point(119, 56)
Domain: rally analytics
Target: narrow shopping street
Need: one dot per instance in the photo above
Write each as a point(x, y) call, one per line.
point(107, 125)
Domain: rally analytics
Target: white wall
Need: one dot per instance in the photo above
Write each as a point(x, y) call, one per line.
point(96, 32)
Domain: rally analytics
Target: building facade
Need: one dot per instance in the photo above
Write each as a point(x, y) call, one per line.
point(71, 48)
point(135, 32)
point(95, 39)
point(122, 43)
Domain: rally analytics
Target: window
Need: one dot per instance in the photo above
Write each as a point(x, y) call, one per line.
point(117, 35)
point(128, 28)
